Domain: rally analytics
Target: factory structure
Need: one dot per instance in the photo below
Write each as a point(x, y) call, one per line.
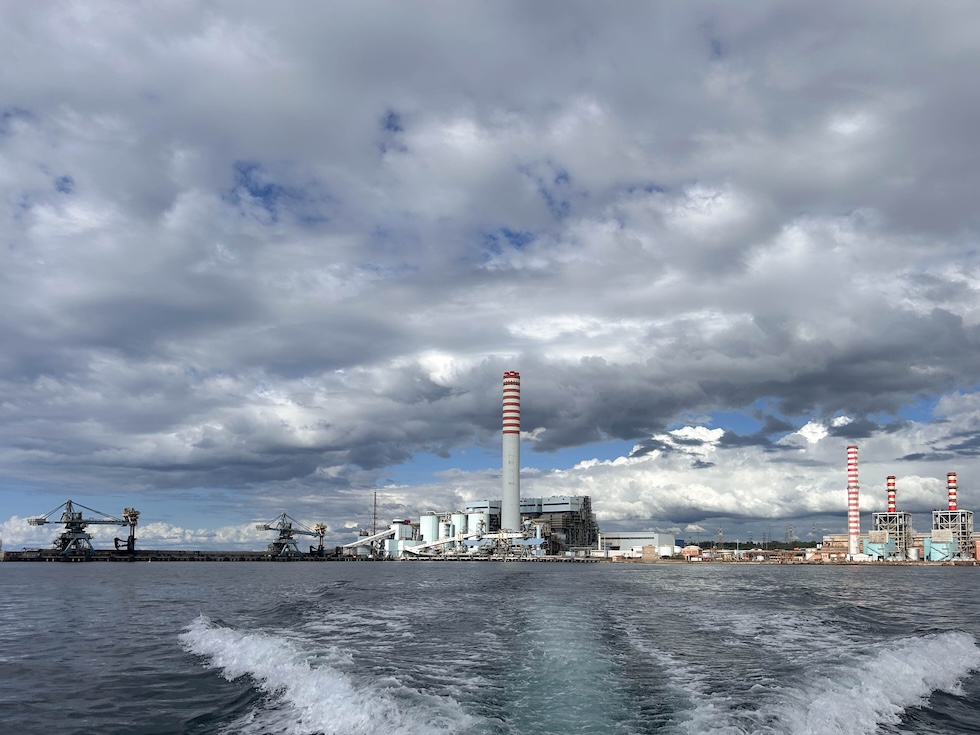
point(892, 538)
point(509, 528)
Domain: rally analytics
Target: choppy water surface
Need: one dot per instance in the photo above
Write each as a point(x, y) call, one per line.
point(480, 648)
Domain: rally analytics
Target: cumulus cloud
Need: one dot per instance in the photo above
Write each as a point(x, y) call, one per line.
point(255, 260)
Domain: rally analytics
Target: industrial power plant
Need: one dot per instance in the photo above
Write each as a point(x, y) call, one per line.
point(538, 529)
point(892, 537)
point(509, 528)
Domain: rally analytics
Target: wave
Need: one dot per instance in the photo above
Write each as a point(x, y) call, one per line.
point(876, 686)
point(894, 678)
point(309, 691)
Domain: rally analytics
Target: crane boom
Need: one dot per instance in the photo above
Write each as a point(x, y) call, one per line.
point(74, 538)
point(288, 528)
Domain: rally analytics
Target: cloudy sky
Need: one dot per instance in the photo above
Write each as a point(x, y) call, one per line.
point(275, 257)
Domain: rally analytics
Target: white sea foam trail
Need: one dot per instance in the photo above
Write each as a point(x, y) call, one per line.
point(897, 676)
point(837, 698)
point(311, 694)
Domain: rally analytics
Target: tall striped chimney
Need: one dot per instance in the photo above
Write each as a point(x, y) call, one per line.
point(891, 494)
point(951, 489)
point(853, 515)
point(510, 507)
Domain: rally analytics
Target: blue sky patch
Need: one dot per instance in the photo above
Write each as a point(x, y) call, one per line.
point(922, 410)
point(392, 127)
point(10, 115)
point(497, 240)
point(554, 185)
point(256, 191)
point(64, 184)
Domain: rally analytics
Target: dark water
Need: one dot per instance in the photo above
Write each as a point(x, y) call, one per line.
point(478, 648)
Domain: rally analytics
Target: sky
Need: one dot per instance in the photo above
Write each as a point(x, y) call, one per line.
point(261, 258)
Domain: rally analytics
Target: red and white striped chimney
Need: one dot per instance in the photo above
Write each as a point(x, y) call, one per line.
point(951, 489)
point(853, 514)
point(510, 505)
point(891, 493)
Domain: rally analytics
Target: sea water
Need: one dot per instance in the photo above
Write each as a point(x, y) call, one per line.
point(480, 648)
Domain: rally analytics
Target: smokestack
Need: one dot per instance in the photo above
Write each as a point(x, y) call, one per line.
point(510, 507)
point(853, 515)
point(891, 494)
point(951, 489)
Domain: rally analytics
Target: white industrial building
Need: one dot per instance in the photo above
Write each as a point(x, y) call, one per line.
point(629, 544)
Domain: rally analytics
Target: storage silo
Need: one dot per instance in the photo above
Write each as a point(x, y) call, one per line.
point(429, 527)
point(478, 522)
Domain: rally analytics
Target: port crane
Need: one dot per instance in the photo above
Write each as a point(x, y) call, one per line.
point(75, 539)
point(285, 544)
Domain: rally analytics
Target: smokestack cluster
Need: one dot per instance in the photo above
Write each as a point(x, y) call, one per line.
point(890, 480)
point(853, 515)
point(510, 505)
point(951, 489)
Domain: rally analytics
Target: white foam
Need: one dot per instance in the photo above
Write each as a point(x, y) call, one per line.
point(878, 690)
point(311, 691)
point(835, 695)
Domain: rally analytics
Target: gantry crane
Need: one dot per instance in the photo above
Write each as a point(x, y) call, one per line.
point(288, 527)
point(74, 539)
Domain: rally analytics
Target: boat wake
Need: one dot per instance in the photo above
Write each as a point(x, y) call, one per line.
point(312, 691)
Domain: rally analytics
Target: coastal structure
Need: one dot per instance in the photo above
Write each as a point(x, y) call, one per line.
point(510, 509)
point(287, 529)
point(892, 538)
point(952, 528)
point(853, 511)
point(891, 535)
point(74, 539)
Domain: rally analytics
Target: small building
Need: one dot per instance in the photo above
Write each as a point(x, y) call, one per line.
point(624, 541)
point(691, 553)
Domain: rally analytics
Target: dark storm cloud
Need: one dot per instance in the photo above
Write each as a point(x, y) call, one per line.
point(860, 429)
point(732, 439)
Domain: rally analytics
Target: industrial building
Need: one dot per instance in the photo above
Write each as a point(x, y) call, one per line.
point(892, 537)
point(952, 529)
point(562, 525)
point(632, 543)
point(512, 527)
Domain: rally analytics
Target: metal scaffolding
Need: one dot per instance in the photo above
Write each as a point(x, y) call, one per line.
point(960, 525)
point(898, 525)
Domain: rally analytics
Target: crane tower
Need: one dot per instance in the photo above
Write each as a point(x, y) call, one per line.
point(285, 543)
point(75, 539)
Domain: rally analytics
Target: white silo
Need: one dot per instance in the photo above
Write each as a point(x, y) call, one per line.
point(478, 522)
point(429, 527)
